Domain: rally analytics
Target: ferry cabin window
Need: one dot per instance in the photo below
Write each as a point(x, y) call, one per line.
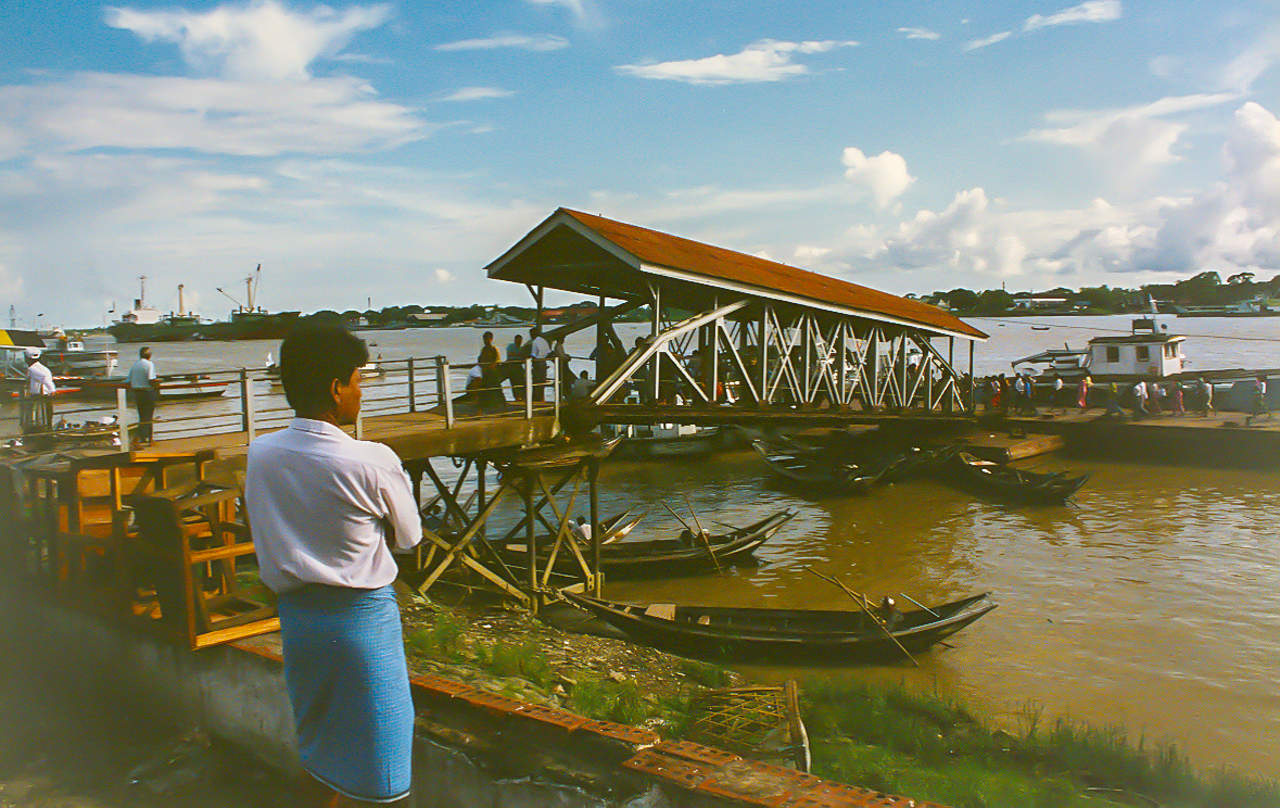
point(1113, 354)
point(1144, 353)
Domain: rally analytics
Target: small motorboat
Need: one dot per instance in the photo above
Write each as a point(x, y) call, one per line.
point(686, 555)
point(817, 467)
point(1010, 484)
point(786, 635)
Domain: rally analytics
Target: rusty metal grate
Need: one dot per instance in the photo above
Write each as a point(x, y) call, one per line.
point(550, 715)
point(620, 732)
point(697, 752)
point(681, 772)
point(491, 701)
point(440, 685)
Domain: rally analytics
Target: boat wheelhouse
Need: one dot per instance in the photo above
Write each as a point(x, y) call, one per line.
point(1147, 352)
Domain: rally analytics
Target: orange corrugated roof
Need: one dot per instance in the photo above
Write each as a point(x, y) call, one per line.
point(663, 249)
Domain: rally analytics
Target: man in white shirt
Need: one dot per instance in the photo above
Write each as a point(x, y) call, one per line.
point(39, 377)
point(325, 512)
point(144, 386)
point(37, 411)
point(539, 352)
point(1139, 399)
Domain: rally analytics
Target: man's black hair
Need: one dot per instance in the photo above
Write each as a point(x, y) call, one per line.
point(312, 358)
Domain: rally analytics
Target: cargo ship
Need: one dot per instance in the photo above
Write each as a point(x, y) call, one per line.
point(144, 323)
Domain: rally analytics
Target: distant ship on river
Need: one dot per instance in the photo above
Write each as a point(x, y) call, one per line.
point(144, 323)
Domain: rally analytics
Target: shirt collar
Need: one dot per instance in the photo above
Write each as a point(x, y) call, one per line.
point(315, 427)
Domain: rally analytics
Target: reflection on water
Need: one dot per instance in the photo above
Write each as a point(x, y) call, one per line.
point(1153, 604)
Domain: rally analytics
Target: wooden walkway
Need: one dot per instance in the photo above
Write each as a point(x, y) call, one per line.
point(414, 436)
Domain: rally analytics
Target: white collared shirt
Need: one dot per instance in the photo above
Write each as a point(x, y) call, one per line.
point(319, 504)
point(141, 374)
point(39, 380)
point(539, 348)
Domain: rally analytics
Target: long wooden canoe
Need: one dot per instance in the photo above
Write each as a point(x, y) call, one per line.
point(782, 635)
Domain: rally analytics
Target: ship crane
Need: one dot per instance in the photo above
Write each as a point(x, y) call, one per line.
point(251, 289)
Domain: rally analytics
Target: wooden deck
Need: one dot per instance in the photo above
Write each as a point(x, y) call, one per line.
point(414, 436)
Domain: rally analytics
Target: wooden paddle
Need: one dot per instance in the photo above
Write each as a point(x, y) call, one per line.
point(702, 534)
point(867, 610)
point(689, 528)
point(918, 603)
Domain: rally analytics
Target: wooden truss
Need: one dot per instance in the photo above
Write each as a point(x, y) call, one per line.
point(753, 351)
point(461, 552)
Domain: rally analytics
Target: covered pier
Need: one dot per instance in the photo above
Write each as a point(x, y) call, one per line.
point(728, 328)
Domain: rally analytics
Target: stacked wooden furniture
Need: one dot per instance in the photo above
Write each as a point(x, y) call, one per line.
point(189, 540)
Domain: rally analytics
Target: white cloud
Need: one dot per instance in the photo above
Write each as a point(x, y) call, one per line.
point(252, 41)
point(918, 33)
point(885, 174)
point(97, 110)
point(1232, 225)
point(585, 13)
point(477, 94)
point(443, 276)
point(543, 43)
point(975, 44)
point(1090, 11)
point(764, 61)
point(1131, 140)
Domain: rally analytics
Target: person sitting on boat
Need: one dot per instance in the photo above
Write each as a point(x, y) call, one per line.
point(582, 530)
point(888, 612)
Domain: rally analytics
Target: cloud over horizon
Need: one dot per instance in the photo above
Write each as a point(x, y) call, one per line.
point(764, 61)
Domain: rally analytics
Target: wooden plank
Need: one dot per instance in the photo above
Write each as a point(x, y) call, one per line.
point(1005, 449)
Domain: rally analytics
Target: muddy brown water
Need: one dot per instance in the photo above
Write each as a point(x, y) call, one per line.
point(1152, 604)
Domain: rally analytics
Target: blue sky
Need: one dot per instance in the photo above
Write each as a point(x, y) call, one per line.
point(388, 151)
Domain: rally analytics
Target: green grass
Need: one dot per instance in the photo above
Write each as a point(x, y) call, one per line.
point(895, 740)
point(932, 748)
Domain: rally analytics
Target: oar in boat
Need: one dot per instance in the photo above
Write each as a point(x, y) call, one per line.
point(689, 528)
point(921, 605)
point(868, 611)
point(701, 533)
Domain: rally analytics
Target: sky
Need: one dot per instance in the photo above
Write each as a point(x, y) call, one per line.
point(378, 154)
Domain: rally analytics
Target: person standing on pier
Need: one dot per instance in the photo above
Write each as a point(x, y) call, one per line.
point(1259, 404)
point(515, 370)
point(37, 415)
point(1205, 395)
point(144, 386)
point(1082, 392)
point(540, 352)
point(326, 510)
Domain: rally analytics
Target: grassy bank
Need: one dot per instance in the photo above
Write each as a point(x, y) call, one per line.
point(887, 738)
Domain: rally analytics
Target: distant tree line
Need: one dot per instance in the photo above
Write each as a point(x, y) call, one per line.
point(1204, 289)
point(400, 315)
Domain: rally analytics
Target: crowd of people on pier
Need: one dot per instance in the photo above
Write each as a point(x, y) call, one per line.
point(1024, 394)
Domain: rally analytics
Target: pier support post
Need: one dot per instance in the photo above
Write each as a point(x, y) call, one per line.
point(446, 394)
point(528, 389)
point(413, 389)
point(122, 419)
point(248, 413)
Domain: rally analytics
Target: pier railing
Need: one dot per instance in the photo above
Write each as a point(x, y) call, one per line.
point(251, 401)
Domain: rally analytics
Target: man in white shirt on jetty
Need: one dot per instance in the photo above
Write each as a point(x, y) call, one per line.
point(539, 352)
point(37, 415)
point(145, 389)
point(325, 511)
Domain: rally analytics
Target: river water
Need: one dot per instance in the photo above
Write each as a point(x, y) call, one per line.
point(1153, 604)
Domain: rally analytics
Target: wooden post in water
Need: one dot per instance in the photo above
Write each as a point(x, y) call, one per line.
point(122, 418)
point(413, 389)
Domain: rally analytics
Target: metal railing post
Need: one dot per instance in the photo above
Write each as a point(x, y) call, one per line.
point(447, 393)
point(248, 416)
point(555, 393)
point(439, 381)
point(528, 389)
point(413, 389)
point(360, 425)
point(122, 418)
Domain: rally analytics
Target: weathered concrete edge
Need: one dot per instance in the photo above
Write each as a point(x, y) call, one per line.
point(237, 693)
